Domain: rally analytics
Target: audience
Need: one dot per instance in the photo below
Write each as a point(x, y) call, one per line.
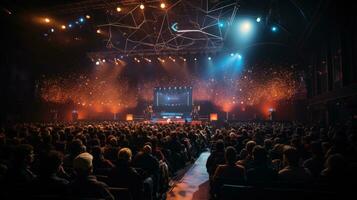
point(271, 154)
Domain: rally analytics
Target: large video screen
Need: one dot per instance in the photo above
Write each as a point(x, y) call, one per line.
point(173, 97)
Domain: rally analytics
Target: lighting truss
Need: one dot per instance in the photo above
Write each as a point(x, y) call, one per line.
point(181, 26)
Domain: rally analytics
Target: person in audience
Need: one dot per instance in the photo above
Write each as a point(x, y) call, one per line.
point(85, 185)
point(248, 160)
point(315, 164)
point(150, 166)
point(228, 173)
point(334, 173)
point(260, 173)
point(125, 176)
point(48, 182)
point(216, 158)
point(100, 164)
point(292, 172)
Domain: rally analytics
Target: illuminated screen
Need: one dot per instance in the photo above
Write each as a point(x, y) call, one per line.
point(166, 97)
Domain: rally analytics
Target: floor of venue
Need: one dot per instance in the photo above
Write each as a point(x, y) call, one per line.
point(195, 183)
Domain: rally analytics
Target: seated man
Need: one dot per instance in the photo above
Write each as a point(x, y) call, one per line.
point(260, 173)
point(229, 173)
point(124, 176)
point(86, 185)
point(48, 182)
point(292, 172)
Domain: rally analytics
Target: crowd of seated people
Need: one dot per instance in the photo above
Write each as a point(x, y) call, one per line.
point(283, 155)
point(95, 160)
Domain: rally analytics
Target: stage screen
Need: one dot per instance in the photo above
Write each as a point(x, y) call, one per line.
point(172, 98)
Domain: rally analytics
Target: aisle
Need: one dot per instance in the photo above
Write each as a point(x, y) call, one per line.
point(195, 184)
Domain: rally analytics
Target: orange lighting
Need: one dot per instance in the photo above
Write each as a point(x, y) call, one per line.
point(129, 117)
point(99, 31)
point(213, 117)
point(88, 16)
point(63, 27)
point(162, 5)
point(118, 9)
point(142, 6)
point(47, 20)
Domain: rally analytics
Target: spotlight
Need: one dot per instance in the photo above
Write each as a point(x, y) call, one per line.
point(209, 58)
point(99, 31)
point(103, 60)
point(52, 30)
point(118, 9)
point(162, 5)
point(63, 27)
point(245, 27)
point(239, 56)
point(232, 54)
point(69, 25)
point(184, 59)
point(195, 59)
point(259, 19)
point(97, 63)
point(81, 19)
point(47, 20)
point(142, 6)
point(274, 29)
point(88, 16)
point(220, 24)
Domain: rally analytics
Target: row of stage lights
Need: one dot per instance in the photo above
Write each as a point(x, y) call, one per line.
point(81, 20)
point(161, 60)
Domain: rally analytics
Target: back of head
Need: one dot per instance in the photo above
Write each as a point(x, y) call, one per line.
point(50, 163)
point(83, 164)
point(124, 155)
point(259, 154)
point(335, 162)
point(291, 156)
point(220, 146)
point(249, 146)
point(147, 149)
point(230, 155)
point(23, 154)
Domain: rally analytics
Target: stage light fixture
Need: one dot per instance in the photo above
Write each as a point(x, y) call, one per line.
point(52, 30)
point(232, 54)
point(63, 27)
point(245, 27)
point(103, 60)
point(220, 24)
point(69, 25)
point(184, 59)
point(97, 63)
point(209, 58)
point(239, 56)
point(259, 19)
point(99, 31)
point(47, 20)
point(88, 16)
point(274, 29)
point(162, 5)
point(142, 6)
point(195, 59)
point(118, 9)
point(81, 19)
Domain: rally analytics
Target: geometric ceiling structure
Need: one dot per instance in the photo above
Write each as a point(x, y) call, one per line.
point(182, 25)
